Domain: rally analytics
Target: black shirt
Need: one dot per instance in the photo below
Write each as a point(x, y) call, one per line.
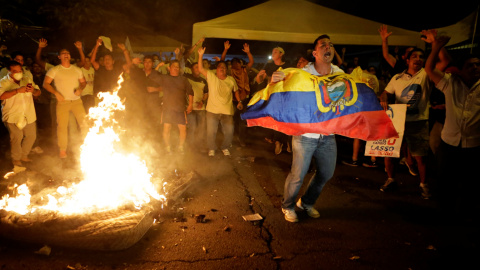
point(106, 80)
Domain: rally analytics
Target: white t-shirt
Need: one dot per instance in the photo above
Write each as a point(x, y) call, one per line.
point(89, 75)
point(220, 94)
point(414, 91)
point(198, 88)
point(66, 80)
point(20, 105)
point(310, 68)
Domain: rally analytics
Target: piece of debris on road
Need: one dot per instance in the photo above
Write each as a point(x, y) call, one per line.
point(253, 217)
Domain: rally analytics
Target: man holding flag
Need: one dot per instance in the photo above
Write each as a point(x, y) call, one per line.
point(308, 145)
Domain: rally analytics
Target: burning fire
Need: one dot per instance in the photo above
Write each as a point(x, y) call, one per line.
point(111, 179)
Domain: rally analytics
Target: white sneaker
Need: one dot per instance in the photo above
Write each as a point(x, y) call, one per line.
point(37, 150)
point(226, 152)
point(290, 215)
point(413, 171)
point(388, 184)
point(425, 191)
point(312, 212)
point(17, 169)
point(211, 153)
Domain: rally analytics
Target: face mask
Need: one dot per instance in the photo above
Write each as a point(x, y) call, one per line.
point(18, 76)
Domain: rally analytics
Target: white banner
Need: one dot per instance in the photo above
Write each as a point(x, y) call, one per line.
point(390, 147)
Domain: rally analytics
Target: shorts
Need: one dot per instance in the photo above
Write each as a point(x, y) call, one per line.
point(417, 137)
point(174, 118)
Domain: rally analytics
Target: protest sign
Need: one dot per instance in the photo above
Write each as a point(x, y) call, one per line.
point(390, 147)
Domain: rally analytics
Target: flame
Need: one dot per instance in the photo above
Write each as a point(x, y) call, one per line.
point(111, 179)
point(19, 203)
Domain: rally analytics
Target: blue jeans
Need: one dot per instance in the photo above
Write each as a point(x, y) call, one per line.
point(324, 149)
point(196, 128)
point(226, 121)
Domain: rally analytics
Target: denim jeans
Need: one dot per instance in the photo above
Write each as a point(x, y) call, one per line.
point(196, 128)
point(226, 121)
point(324, 149)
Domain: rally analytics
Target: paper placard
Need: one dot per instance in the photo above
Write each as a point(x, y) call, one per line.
point(390, 147)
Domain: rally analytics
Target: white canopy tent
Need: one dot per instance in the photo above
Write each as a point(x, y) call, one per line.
point(300, 21)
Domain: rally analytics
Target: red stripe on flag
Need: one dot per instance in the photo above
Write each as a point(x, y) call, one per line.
point(367, 126)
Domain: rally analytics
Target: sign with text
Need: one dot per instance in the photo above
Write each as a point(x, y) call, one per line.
point(390, 147)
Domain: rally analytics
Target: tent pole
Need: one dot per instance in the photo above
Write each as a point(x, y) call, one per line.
point(474, 30)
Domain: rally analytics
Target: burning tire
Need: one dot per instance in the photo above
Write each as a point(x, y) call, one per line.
point(111, 230)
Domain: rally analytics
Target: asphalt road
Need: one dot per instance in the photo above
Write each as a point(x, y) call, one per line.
point(360, 227)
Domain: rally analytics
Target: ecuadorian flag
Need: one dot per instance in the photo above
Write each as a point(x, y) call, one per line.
point(333, 104)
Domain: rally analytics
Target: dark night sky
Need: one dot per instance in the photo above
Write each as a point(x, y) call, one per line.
point(175, 18)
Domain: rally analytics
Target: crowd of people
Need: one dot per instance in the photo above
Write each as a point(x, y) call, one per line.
point(197, 95)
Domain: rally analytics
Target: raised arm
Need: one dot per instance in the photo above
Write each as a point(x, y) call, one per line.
point(226, 46)
point(384, 34)
point(181, 60)
point(126, 54)
point(444, 58)
point(93, 59)
point(438, 44)
point(192, 49)
point(78, 45)
point(42, 43)
point(179, 52)
point(246, 49)
point(201, 51)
